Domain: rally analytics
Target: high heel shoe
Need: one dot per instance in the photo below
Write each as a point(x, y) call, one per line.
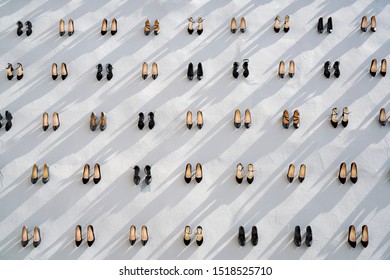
point(200, 26)
point(187, 235)
point(241, 236)
point(188, 173)
point(364, 240)
point(103, 121)
point(45, 121)
point(291, 173)
point(19, 31)
point(291, 69)
point(198, 173)
point(281, 69)
point(248, 119)
point(56, 121)
point(8, 117)
point(37, 237)
point(90, 235)
point(364, 25)
point(250, 177)
point(144, 235)
point(144, 71)
point(147, 27)
point(345, 114)
point(329, 26)
point(297, 236)
point(254, 236)
point(235, 69)
point(189, 120)
point(97, 175)
point(93, 122)
point(327, 69)
point(10, 70)
point(336, 67)
point(70, 27)
point(64, 71)
point(352, 236)
point(156, 28)
point(383, 67)
point(199, 120)
point(333, 120)
point(245, 66)
point(302, 173)
point(199, 72)
point(286, 119)
point(343, 173)
point(382, 117)
point(85, 178)
point(133, 235)
point(239, 176)
point(141, 121)
point(277, 24)
point(62, 28)
point(29, 28)
point(373, 24)
point(99, 74)
point(190, 27)
point(151, 120)
point(297, 119)
point(286, 27)
point(190, 72)
point(34, 174)
point(320, 25)
point(199, 235)
point(354, 173)
point(109, 68)
point(237, 119)
point(24, 239)
point(103, 30)
point(243, 25)
point(154, 71)
point(148, 172)
point(114, 26)
point(19, 75)
point(46, 174)
point(54, 72)
point(78, 236)
point(233, 25)
point(136, 178)
point(309, 236)
point(373, 68)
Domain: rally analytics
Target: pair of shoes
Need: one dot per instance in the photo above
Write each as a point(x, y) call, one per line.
point(145, 71)
point(93, 123)
point(10, 71)
point(79, 235)
point(8, 118)
point(383, 119)
point(45, 121)
point(373, 67)
point(198, 173)
point(344, 117)
point(199, 120)
point(28, 24)
point(298, 238)
point(291, 173)
point(242, 239)
point(156, 27)
point(336, 67)
point(36, 238)
point(291, 69)
point(54, 71)
point(286, 119)
point(190, 27)
point(352, 236)
point(141, 120)
point(244, 65)
point(45, 174)
point(114, 27)
point(247, 119)
point(97, 175)
point(250, 176)
point(99, 74)
point(286, 26)
point(133, 235)
point(343, 173)
point(70, 27)
point(233, 25)
point(187, 237)
point(148, 172)
point(364, 24)
point(329, 26)
point(199, 71)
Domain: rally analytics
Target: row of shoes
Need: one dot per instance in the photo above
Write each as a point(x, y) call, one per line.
point(145, 70)
point(298, 236)
point(249, 176)
point(79, 235)
point(199, 71)
point(198, 173)
point(383, 69)
point(364, 24)
point(343, 173)
point(199, 120)
point(291, 69)
point(99, 74)
point(286, 25)
point(148, 175)
point(35, 174)
point(198, 233)
point(133, 235)
point(114, 27)
point(141, 120)
point(97, 175)
point(54, 71)
point(55, 123)
point(70, 27)
point(10, 71)
point(291, 173)
point(93, 123)
point(236, 66)
point(329, 25)
point(344, 117)
point(247, 119)
point(327, 69)
point(36, 237)
point(242, 238)
point(383, 118)
point(156, 27)
point(352, 236)
point(19, 31)
point(8, 120)
point(190, 27)
point(296, 119)
point(233, 25)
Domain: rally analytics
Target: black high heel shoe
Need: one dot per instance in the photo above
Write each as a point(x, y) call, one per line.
point(241, 236)
point(343, 173)
point(286, 26)
point(239, 176)
point(297, 236)
point(320, 25)
point(199, 236)
point(383, 67)
point(148, 172)
point(45, 174)
point(19, 31)
point(333, 120)
point(200, 26)
point(248, 119)
point(114, 26)
point(24, 240)
point(152, 123)
point(56, 121)
point(336, 67)
point(78, 236)
point(103, 30)
point(237, 119)
point(329, 26)
point(255, 237)
point(34, 174)
point(136, 178)
point(70, 27)
point(246, 69)
point(327, 69)
point(364, 240)
point(354, 173)
point(64, 71)
point(85, 178)
point(250, 177)
point(90, 236)
point(190, 71)
point(188, 173)
point(141, 119)
point(10, 70)
point(99, 74)
point(190, 27)
point(235, 69)
point(373, 24)
point(97, 175)
point(29, 28)
point(37, 237)
point(54, 71)
point(187, 235)
point(309, 237)
point(291, 173)
point(198, 173)
point(144, 235)
point(109, 71)
point(344, 120)
point(199, 72)
point(133, 235)
point(277, 24)
point(352, 236)
point(19, 75)
point(302, 173)
point(373, 68)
